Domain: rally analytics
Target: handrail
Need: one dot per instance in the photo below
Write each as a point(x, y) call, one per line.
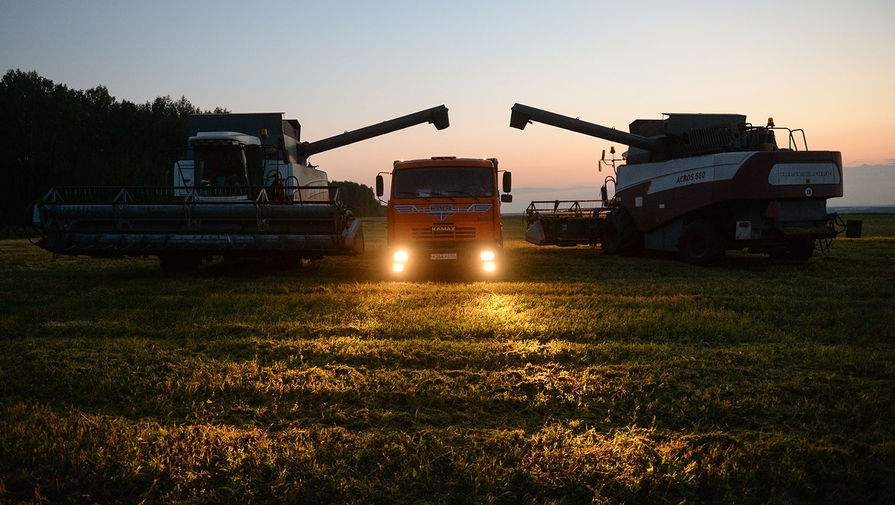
point(793, 144)
point(563, 207)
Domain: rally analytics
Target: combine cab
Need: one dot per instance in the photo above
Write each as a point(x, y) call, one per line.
point(697, 185)
point(246, 189)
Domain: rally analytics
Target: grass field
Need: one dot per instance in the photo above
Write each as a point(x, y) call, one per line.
point(572, 377)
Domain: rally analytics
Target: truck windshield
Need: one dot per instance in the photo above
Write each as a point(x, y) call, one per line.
point(426, 182)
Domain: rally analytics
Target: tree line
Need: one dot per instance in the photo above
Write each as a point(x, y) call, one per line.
point(51, 135)
point(360, 199)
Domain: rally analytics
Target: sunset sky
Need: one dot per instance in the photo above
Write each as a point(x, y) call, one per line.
point(826, 67)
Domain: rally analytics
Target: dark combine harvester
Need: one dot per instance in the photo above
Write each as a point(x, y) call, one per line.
point(696, 184)
point(246, 189)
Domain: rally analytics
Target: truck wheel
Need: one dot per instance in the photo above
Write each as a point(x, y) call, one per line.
point(179, 263)
point(700, 244)
point(620, 235)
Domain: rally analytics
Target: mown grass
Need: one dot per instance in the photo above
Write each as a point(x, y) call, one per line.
point(571, 377)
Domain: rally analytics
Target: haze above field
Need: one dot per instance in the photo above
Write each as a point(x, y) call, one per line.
point(826, 67)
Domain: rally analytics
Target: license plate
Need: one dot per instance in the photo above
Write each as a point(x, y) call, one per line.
point(443, 256)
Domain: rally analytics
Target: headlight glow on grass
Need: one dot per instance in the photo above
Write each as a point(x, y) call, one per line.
point(489, 266)
point(400, 256)
point(487, 256)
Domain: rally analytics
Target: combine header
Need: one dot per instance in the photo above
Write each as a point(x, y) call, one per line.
point(697, 185)
point(246, 189)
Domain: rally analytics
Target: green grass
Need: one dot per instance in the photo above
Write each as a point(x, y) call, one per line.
point(572, 377)
point(874, 225)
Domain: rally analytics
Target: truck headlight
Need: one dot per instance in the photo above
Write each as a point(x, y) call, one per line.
point(398, 267)
point(487, 256)
point(489, 266)
point(400, 256)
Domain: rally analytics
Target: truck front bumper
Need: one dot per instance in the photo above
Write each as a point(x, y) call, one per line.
point(479, 256)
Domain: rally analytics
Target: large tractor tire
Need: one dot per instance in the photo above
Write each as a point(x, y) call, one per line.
point(620, 235)
point(700, 243)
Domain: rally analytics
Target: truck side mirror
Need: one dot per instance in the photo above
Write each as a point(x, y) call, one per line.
point(506, 198)
point(507, 182)
point(380, 186)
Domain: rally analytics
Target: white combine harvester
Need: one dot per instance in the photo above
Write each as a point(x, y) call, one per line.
point(246, 189)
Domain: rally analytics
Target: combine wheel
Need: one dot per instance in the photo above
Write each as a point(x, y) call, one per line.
point(776, 253)
point(620, 235)
point(700, 244)
point(800, 248)
point(290, 262)
point(179, 262)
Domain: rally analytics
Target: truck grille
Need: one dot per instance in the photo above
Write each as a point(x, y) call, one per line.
point(460, 232)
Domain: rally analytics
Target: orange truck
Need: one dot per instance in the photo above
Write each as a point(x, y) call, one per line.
point(445, 210)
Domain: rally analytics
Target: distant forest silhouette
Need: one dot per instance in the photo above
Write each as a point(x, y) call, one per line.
point(51, 135)
point(360, 199)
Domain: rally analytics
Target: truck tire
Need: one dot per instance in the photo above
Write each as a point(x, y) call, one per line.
point(179, 262)
point(619, 234)
point(700, 243)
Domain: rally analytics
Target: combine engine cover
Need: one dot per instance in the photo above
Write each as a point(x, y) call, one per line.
point(657, 193)
point(772, 201)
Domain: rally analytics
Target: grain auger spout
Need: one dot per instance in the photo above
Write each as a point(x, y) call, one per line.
point(523, 114)
point(437, 116)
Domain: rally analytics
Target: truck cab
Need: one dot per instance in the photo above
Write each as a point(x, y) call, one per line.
point(445, 210)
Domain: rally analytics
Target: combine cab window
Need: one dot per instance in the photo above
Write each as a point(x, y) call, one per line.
point(428, 182)
point(221, 166)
